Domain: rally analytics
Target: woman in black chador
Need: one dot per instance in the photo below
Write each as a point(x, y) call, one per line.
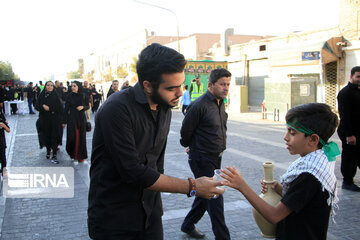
point(49, 123)
point(74, 117)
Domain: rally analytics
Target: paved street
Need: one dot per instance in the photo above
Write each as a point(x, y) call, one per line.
point(251, 141)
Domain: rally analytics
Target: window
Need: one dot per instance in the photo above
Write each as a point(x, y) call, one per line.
point(239, 81)
point(262, 48)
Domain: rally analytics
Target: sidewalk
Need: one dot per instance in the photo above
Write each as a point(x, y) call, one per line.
point(57, 218)
point(253, 117)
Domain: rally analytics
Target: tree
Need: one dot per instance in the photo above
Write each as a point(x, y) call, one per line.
point(121, 72)
point(6, 72)
point(133, 65)
point(74, 74)
point(108, 75)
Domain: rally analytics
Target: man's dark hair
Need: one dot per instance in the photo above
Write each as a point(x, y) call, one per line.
point(216, 74)
point(186, 87)
point(317, 116)
point(155, 60)
point(115, 81)
point(354, 70)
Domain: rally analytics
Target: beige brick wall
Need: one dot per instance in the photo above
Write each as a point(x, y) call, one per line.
point(349, 21)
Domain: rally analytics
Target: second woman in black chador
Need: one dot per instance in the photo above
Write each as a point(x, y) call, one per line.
point(74, 117)
point(49, 123)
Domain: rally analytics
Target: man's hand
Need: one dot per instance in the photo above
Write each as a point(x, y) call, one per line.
point(79, 108)
point(45, 107)
point(187, 150)
point(206, 188)
point(351, 140)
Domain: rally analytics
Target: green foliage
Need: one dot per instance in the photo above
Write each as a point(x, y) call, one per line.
point(121, 72)
point(133, 65)
point(6, 72)
point(74, 74)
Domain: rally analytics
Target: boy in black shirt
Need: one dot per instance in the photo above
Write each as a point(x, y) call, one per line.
point(308, 186)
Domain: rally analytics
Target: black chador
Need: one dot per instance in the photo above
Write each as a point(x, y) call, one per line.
point(76, 124)
point(49, 123)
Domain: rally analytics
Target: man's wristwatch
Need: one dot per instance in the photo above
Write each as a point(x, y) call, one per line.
point(192, 191)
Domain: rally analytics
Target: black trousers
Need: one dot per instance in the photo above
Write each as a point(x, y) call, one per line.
point(153, 232)
point(350, 158)
point(2, 157)
point(183, 109)
point(202, 164)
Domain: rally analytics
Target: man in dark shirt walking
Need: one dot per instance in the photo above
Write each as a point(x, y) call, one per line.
point(349, 129)
point(127, 161)
point(30, 94)
point(204, 132)
point(113, 88)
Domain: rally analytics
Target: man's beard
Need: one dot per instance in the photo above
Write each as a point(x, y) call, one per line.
point(156, 98)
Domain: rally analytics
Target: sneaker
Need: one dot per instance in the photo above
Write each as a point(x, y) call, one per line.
point(351, 187)
point(54, 161)
point(4, 173)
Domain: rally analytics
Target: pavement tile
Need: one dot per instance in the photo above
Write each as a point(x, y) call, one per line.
point(66, 218)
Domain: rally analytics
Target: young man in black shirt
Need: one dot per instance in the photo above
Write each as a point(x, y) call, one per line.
point(127, 161)
point(113, 88)
point(204, 132)
point(349, 129)
point(30, 96)
point(308, 188)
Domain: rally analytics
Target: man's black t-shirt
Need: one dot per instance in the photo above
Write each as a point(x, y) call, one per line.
point(87, 92)
point(30, 92)
point(310, 212)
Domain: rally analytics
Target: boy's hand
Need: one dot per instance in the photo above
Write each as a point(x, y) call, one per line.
point(276, 186)
point(233, 177)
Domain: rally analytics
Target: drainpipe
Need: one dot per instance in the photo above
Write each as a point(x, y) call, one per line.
point(246, 71)
point(322, 84)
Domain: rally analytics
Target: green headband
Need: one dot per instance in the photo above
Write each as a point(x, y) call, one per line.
point(331, 149)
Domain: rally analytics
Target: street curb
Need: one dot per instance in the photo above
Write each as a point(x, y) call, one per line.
point(9, 153)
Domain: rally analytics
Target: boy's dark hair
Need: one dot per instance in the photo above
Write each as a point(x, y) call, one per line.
point(218, 73)
point(316, 116)
point(155, 60)
point(186, 87)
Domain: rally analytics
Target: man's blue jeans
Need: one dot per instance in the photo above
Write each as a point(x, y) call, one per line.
point(30, 102)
